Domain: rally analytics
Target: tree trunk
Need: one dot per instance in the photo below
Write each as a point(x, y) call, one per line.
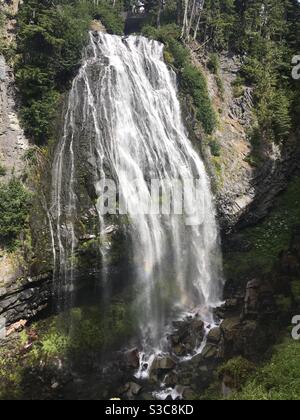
point(185, 19)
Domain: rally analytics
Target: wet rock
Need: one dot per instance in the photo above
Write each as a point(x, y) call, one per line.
point(188, 394)
point(195, 376)
point(252, 297)
point(160, 366)
point(259, 300)
point(214, 336)
point(132, 358)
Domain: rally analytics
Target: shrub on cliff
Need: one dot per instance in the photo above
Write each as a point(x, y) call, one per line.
point(277, 380)
point(14, 205)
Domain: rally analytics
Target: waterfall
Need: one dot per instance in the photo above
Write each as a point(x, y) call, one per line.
point(124, 112)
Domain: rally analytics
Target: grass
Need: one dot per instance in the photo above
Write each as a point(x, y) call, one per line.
point(192, 81)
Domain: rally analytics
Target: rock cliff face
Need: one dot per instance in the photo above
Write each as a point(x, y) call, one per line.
point(244, 191)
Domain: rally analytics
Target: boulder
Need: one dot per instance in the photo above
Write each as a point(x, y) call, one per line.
point(188, 394)
point(171, 379)
point(230, 328)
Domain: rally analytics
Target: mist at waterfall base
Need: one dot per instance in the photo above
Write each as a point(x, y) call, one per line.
point(123, 121)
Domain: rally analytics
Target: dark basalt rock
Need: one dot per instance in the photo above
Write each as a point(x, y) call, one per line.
point(132, 358)
point(163, 363)
point(187, 335)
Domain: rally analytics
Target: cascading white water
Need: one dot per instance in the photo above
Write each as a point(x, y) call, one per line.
point(123, 105)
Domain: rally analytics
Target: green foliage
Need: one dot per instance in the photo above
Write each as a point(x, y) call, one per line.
point(50, 40)
point(193, 81)
point(277, 380)
point(170, 36)
point(14, 206)
point(92, 330)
